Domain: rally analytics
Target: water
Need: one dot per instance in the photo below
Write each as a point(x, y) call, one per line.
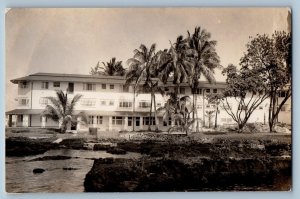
point(20, 178)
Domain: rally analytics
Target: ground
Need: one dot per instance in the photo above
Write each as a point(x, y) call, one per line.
point(209, 160)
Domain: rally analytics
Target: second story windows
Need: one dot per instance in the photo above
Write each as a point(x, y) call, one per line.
point(182, 90)
point(23, 85)
point(103, 86)
point(45, 85)
point(125, 104)
point(88, 102)
point(215, 90)
point(23, 101)
point(198, 91)
point(56, 84)
point(207, 90)
point(125, 88)
point(89, 87)
point(144, 104)
point(43, 101)
point(111, 86)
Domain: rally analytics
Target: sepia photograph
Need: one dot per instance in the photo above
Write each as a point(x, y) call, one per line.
point(148, 99)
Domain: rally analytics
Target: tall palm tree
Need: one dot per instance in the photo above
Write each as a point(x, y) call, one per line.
point(141, 68)
point(176, 64)
point(61, 109)
point(111, 68)
point(206, 60)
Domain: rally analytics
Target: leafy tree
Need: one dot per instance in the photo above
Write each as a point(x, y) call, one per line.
point(61, 109)
point(111, 68)
point(272, 57)
point(247, 88)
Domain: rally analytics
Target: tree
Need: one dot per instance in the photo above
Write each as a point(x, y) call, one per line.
point(206, 60)
point(247, 88)
point(61, 109)
point(111, 68)
point(213, 98)
point(141, 72)
point(209, 115)
point(272, 57)
point(179, 110)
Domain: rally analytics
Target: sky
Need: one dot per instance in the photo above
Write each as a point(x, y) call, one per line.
point(64, 40)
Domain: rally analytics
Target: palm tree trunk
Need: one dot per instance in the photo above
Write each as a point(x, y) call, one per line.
point(150, 117)
point(155, 113)
point(216, 118)
point(197, 118)
point(133, 109)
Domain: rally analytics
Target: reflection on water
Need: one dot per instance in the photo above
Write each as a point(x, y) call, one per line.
point(20, 178)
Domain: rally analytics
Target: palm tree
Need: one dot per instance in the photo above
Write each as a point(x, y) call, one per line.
point(176, 64)
point(141, 68)
point(206, 60)
point(111, 68)
point(62, 110)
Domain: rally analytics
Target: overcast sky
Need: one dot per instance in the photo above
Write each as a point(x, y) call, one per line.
point(74, 40)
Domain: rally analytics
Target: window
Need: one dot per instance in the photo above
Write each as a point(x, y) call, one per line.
point(111, 103)
point(117, 120)
point(88, 102)
point(70, 87)
point(215, 90)
point(207, 90)
point(20, 118)
point(103, 86)
point(260, 107)
point(23, 101)
point(56, 84)
point(43, 101)
point(41, 118)
point(198, 91)
point(144, 104)
point(242, 107)
point(165, 123)
point(129, 121)
point(137, 121)
point(199, 106)
point(158, 104)
point(103, 102)
point(146, 121)
point(282, 94)
point(125, 88)
point(99, 119)
point(170, 121)
point(23, 85)
point(89, 87)
point(91, 119)
point(182, 90)
point(45, 85)
point(125, 104)
point(111, 86)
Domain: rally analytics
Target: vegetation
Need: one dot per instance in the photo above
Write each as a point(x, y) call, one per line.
point(111, 68)
point(272, 58)
point(247, 88)
point(61, 109)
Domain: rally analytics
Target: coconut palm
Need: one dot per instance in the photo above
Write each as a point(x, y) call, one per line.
point(61, 109)
point(141, 73)
point(111, 68)
point(206, 60)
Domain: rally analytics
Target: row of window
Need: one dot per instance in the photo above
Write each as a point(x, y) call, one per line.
point(118, 120)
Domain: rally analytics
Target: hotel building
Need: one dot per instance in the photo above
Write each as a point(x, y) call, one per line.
point(108, 103)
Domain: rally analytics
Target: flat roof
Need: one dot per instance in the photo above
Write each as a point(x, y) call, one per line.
point(63, 77)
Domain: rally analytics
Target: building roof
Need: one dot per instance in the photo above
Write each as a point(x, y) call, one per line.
point(24, 112)
point(62, 77)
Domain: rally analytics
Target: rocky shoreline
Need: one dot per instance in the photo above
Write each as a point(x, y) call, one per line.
point(176, 164)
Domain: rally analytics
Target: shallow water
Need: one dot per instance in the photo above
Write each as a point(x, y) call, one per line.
point(20, 178)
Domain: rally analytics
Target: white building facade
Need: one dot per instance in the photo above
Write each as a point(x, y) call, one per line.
point(108, 103)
